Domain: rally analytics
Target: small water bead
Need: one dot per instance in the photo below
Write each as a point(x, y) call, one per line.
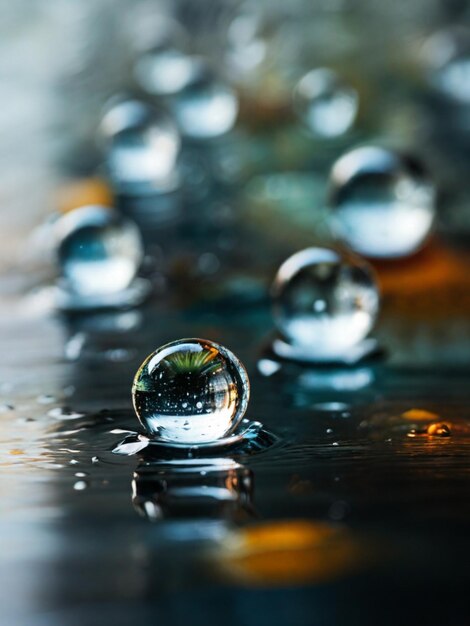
point(142, 146)
point(324, 302)
point(325, 103)
point(447, 56)
point(164, 70)
point(99, 251)
point(191, 391)
point(205, 107)
point(382, 202)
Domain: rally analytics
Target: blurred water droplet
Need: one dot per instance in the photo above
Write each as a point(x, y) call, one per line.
point(439, 429)
point(267, 367)
point(45, 399)
point(80, 485)
point(64, 413)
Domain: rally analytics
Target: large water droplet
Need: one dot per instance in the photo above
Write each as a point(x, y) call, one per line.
point(191, 391)
point(324, 302)
point(382, 202)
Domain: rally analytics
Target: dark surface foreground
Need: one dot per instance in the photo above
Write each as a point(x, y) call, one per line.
point(354, 515)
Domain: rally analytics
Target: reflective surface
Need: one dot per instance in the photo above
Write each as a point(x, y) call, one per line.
point(191, 391)
point(323, 302)
point(99, 251)
point(382, 202)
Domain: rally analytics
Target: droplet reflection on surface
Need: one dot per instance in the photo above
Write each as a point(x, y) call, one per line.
point(324, 302)
point(99, 251)
point(325, 103)
point(191, 391)
point(382, 202)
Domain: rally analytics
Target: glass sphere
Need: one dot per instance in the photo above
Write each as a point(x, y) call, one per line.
point(142, 146)
point(191, 391)
point(324, 302)
point(326, 104)
point(382, 202)
point(205, 107)
point(99, 252)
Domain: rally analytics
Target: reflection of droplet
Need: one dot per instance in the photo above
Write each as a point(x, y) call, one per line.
point(439, 429)
point(345, 286)
point(325, 103)
point(191, 390)
point(382, 202)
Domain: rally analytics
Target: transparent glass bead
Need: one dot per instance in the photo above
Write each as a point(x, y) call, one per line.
point(326, 104)
point(99, 251)
point(142, 146)
point(382, 202)
point(324, 302)
point(205, 107)
point(191, 391)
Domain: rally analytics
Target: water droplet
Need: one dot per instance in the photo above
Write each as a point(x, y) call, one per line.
point(207, 373)
point(325, 103)
point(335, 443)
point(345, 284)
point(382, 202)
point(447, 55)
point(99, 253)
point(142, 147)
point(4, 408)
point(329, 431)
point(80, 485)
point(205, 107)
point(81, 474)
point(74, 462)
point(267, 367)
point(164, 70)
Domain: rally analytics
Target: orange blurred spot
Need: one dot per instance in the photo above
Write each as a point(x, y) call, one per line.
point(289, 553)
point(417, 415)
point(439, 429)
point(84, 192)
point(16, 451)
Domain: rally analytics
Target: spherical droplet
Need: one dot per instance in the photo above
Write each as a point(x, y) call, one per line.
point(191, 391)
point(142, 145)
point(205, 107)
point(382, 202)
point(99, 252)
point(447, 56)
point(325, 103)
point(164, 70)
point(324, 302)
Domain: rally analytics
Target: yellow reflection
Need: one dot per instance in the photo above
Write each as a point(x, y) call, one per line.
point(290, 553)
point(83, 192)
point(418, 415)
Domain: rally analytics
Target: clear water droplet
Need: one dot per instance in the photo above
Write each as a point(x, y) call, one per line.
point(142, 146)
point(206, 107)
point(201, 397)
point(325, 103)
point(382, 202)
point(99, 251)
point(347, 287)
point(164, 70)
